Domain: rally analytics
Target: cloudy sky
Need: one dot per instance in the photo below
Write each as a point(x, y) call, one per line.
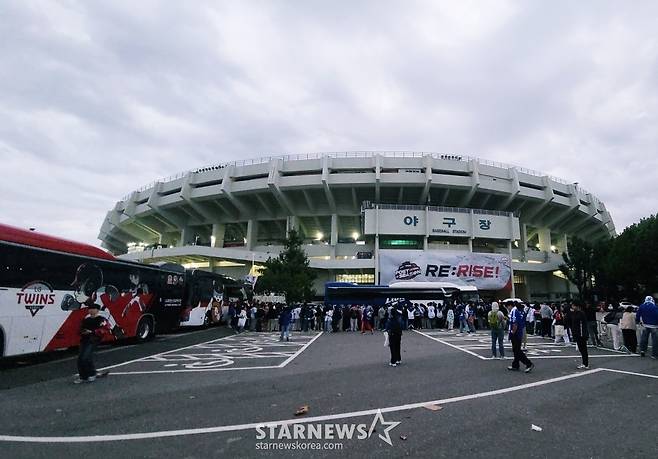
point(100, 97)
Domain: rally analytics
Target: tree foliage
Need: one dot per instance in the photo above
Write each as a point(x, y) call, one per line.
point(289, 273)
point(624, 267)
point(632, 260)
point(578, 265)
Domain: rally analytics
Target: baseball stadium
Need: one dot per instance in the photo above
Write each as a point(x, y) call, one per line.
point(365, 218)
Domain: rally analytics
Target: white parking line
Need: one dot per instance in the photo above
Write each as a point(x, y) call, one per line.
point(250, 426)
point(292, 357)
point(646, 375)
point(469, 345)
point(450, 344)
point(211, 356)
point(163, 353)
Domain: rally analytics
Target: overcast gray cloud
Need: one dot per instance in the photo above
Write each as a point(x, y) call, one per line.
point(98, 98)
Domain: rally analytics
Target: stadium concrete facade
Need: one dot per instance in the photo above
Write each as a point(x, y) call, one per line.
point(350, 206)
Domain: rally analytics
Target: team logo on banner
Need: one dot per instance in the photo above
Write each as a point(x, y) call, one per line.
point(35, 296)
point(407, 271)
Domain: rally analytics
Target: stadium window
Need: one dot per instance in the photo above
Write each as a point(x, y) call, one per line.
point(356, 278)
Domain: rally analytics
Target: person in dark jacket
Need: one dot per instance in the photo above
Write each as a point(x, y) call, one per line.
point(580, 332)
point(92, 330)
point(394, 327)
point(592, 324)
point(285, 319)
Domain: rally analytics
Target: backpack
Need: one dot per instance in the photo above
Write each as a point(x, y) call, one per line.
point(493, 320)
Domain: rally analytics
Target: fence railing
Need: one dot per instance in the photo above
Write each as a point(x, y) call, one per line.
point(351, 154)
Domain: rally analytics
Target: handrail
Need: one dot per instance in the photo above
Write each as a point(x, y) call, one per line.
point(351, 154)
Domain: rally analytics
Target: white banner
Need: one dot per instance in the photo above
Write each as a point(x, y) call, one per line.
point(486, 271)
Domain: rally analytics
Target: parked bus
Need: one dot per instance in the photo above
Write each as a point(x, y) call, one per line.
point(377, 295)
point(47, 282)
point(207, 296)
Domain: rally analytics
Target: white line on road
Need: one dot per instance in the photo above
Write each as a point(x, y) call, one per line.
point(198, 370)
point(481, 357)
point(292, 357)
point(450, 344)
point(646, 375)
point(238, 427)
point(163, 353)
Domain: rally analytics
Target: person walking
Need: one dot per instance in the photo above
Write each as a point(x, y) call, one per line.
point(242, 320)
point(381, 313)
point(431, 315)
point(496, 320)
point(580, 331)
point(530, 319)
point(410, 316)
point(354, 318)
point(366, 319)
point(285, 322)
point(516, 328)
point(592, 324)
point(450, 318)
point(470, 317)
point(394, 330)
point(560, 332)
point(566, 311)
point(546, 315)
point(647, 315)
point(328, 318)
point(92, 330)
point(628, 329)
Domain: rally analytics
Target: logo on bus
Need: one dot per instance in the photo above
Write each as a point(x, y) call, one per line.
point(407, 270)
point(35, 296)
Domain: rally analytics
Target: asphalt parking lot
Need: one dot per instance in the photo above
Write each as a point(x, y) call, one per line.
point(175, 397)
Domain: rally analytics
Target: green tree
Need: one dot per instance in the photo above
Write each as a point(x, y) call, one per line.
point(289, 273)
point(578, 264)
point(632, 259)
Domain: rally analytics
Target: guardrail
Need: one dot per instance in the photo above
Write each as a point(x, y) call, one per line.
point(352, 154)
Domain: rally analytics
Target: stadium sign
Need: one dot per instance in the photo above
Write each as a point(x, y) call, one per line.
point(440, 223)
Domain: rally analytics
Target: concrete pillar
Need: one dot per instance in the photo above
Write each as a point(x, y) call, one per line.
point(292, 223)
point(544, 239)
point(426, 244)
point(186, 236)
point(252, 234)
point(217, 237)
point(334, 230)
point(511, 265)
point(524, 242)
point(565, 243)
point(470, 244)
point(377, 259)
point(212, 263)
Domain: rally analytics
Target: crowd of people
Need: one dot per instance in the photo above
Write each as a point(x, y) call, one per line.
point(565, 323)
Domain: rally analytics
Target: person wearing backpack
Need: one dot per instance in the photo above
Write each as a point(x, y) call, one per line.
point(496, 321)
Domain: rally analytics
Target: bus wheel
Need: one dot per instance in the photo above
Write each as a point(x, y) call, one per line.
point(145, 329)
point(206, 320)
point(2, 344)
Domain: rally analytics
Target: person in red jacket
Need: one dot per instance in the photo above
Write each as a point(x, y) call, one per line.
point(92, 330)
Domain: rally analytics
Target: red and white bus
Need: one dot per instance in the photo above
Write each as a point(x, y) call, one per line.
point(207, 297)
point(46, 283)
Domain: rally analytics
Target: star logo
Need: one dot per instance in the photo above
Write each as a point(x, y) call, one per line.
point(380, 419)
